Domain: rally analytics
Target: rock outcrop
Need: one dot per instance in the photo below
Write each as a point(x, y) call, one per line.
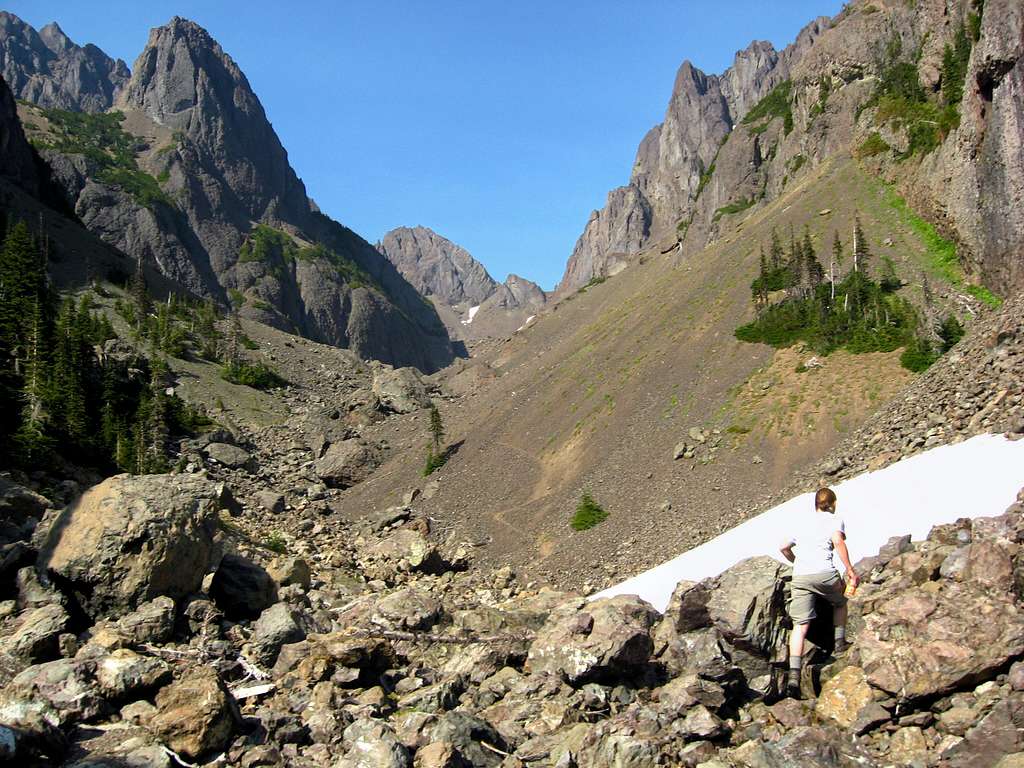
point(48, 69)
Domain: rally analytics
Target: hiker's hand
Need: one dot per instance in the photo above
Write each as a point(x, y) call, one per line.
point(853, 578)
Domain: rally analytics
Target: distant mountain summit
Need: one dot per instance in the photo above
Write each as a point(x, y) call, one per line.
point(48, 69)
point(471, 302)
point(201, 187)
point(436, 266)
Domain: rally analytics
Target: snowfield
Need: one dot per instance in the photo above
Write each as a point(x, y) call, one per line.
point(472, 314)
point(979, 477)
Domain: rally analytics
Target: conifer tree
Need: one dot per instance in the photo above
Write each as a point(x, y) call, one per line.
point(835, 263)
point(139, 291)
point(31, 439)
point(436, 428)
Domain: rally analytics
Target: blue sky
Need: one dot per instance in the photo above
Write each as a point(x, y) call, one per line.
point(501, 125)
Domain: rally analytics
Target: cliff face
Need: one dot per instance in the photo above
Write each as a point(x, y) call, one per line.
point(705, 162)
point(48, 69)
point(224, 214)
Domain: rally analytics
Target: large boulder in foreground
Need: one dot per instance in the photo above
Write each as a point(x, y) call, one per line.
point(929, 640)
point(131, 539)
point(604, 639)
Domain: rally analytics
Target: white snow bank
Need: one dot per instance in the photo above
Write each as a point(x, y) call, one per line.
point(979, 477)
point(528, 321)
point(472, 314)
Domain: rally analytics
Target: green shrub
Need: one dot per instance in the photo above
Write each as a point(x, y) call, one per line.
point(236, 297)
point(255, 375)
point(801, 368)
point(596, 280)
point(873, 145)
point(275, 543)
point(100, 139)
point(434, 461)
point(950, 331)
point(775, 104)
point(734, 207)
point(918, 356)
point(588, 514)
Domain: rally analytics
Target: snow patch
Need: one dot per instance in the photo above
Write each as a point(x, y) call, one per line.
point(528, 321)
point(979, 477)
point(472, 314)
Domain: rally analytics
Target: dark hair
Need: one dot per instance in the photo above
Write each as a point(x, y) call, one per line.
point(825, 500)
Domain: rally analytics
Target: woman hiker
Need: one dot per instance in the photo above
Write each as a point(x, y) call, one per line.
point(817, 537)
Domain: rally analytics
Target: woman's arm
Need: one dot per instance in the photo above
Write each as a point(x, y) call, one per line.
point(839, 542)
point(787, 551)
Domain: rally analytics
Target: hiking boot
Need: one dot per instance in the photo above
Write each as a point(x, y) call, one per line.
point(841, 646)
point(793, 691)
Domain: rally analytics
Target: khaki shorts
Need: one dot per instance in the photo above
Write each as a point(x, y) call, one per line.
point(804, 588)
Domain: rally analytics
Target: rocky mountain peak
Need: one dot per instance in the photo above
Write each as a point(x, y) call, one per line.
point(50, 69)
point(184, 80)
point(436, 266)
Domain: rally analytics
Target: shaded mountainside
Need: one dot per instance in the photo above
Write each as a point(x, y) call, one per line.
point(472, 303)
point(885, 76)
point(188, 174)
point(47, 68)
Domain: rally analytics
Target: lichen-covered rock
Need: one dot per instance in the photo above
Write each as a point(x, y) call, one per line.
point(372, 744)
point(125, 674)
point(277, 625)
point(66, 689)
point(196, 715)
point(36, 638)
point(605, 638)
point(408, 609)
point(132, 539)
point(849, 701)
point(929, 640)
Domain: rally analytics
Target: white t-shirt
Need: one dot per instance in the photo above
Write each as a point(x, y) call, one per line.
point(812, 541)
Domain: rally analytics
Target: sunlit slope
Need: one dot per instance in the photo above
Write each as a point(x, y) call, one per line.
point(595, 395)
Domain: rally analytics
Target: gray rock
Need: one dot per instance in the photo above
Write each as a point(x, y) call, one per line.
point(605, 638)
point(132, 539)
point(372, 744)
point(228, 455)
point(287, 571)
point(346, 463)
point(241, 588)
point(124, 674)
point(63, 691)
point(37, 636)
point(277, 625)
point(271, 501)
point(399, 390)
point(408, 609)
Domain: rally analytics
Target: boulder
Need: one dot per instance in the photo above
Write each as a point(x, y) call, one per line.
point(196, 715)
point(63, 691)
point(132, 539)
point(848, 700)
point(399, 390)
point(932, 639)
point(747, 604)
point(287, 571)
point(271, 501)
point(124, 674)
point(466, 733)
point(346, 463)
point(408, 609)
point(372, 744)
point(999, 733)
point(403, 550)
point(19, 504)
point(606, 638)
point(37, 636)
point(230, 456)
point(241, 588)
point(277, 625)
point(151, 622)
